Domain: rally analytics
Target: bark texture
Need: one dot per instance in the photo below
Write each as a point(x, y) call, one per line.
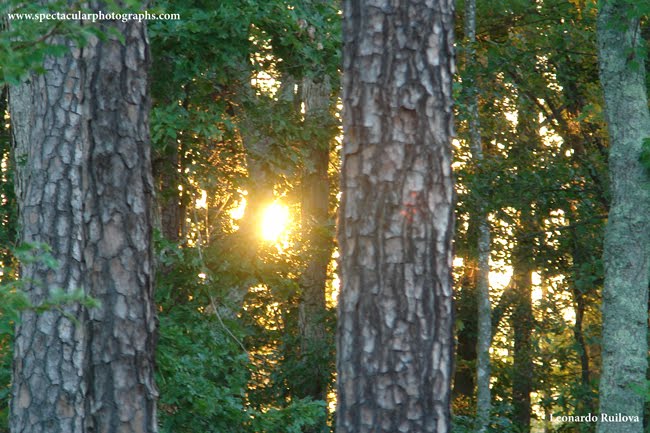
point(626, 255)
point(84, 187)
point(395, 343)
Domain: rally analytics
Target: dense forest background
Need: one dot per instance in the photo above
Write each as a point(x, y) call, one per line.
point(246, 142)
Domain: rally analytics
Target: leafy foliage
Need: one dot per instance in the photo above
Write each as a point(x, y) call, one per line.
point(202, 375)
point(30, 33)
point(546, 178)
point(207, 380)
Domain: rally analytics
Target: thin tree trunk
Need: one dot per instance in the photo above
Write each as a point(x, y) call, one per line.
point(585, 374)
point(315, 221)
point(580, 258)
point(626, 255)
point(168, 196)
point(484, 336)
point(260, 184)
point(522, 284)
point(545, 385)
point(465, 304)
point(248, 238)
point(8, 215)
point(260, 180)
point(84, 187)
point(522, 323)
point(395, 343)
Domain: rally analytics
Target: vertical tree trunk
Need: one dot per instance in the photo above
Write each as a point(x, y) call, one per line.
point(522, 323)
point(583, 353)
point(7, 195)
point(315, 221)
point(465, 304)
point(260, 183)
point(580, 258)
point(546, 352)
point(84, 187)
point(171, 217)
point(395, 343)
point(248, 239)
point(522, 264)
point(626, 255)
point(484, 334)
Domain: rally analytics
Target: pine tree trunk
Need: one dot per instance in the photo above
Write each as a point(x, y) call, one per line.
point(626, 255)
point(84, 187)
point(395, 343)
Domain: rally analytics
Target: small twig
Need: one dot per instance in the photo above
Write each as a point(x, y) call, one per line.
point(212, 303)
point(216, 313)
point(20, 46)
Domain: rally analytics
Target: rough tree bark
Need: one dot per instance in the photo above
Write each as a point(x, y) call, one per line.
point(626, 254)
point(395, 343)
point(84, 187)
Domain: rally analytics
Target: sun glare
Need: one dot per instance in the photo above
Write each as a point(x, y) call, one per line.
point(275, 221)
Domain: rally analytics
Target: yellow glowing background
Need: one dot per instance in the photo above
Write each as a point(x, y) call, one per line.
point(275, 221)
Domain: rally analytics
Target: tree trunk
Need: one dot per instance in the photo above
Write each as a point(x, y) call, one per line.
point(581, 255)
point(247, 241)
point(315, 221)
point(585, 405)
point(84, 187)
point(395, 343)
point(626, 255)
point(166, 171)
point(8, 215)
point(484, 334)
point(260, 182)
point(465, 313)
point(522, 324)
point(522, 264)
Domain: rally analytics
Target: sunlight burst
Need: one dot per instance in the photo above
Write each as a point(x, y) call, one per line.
point(275, 221)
